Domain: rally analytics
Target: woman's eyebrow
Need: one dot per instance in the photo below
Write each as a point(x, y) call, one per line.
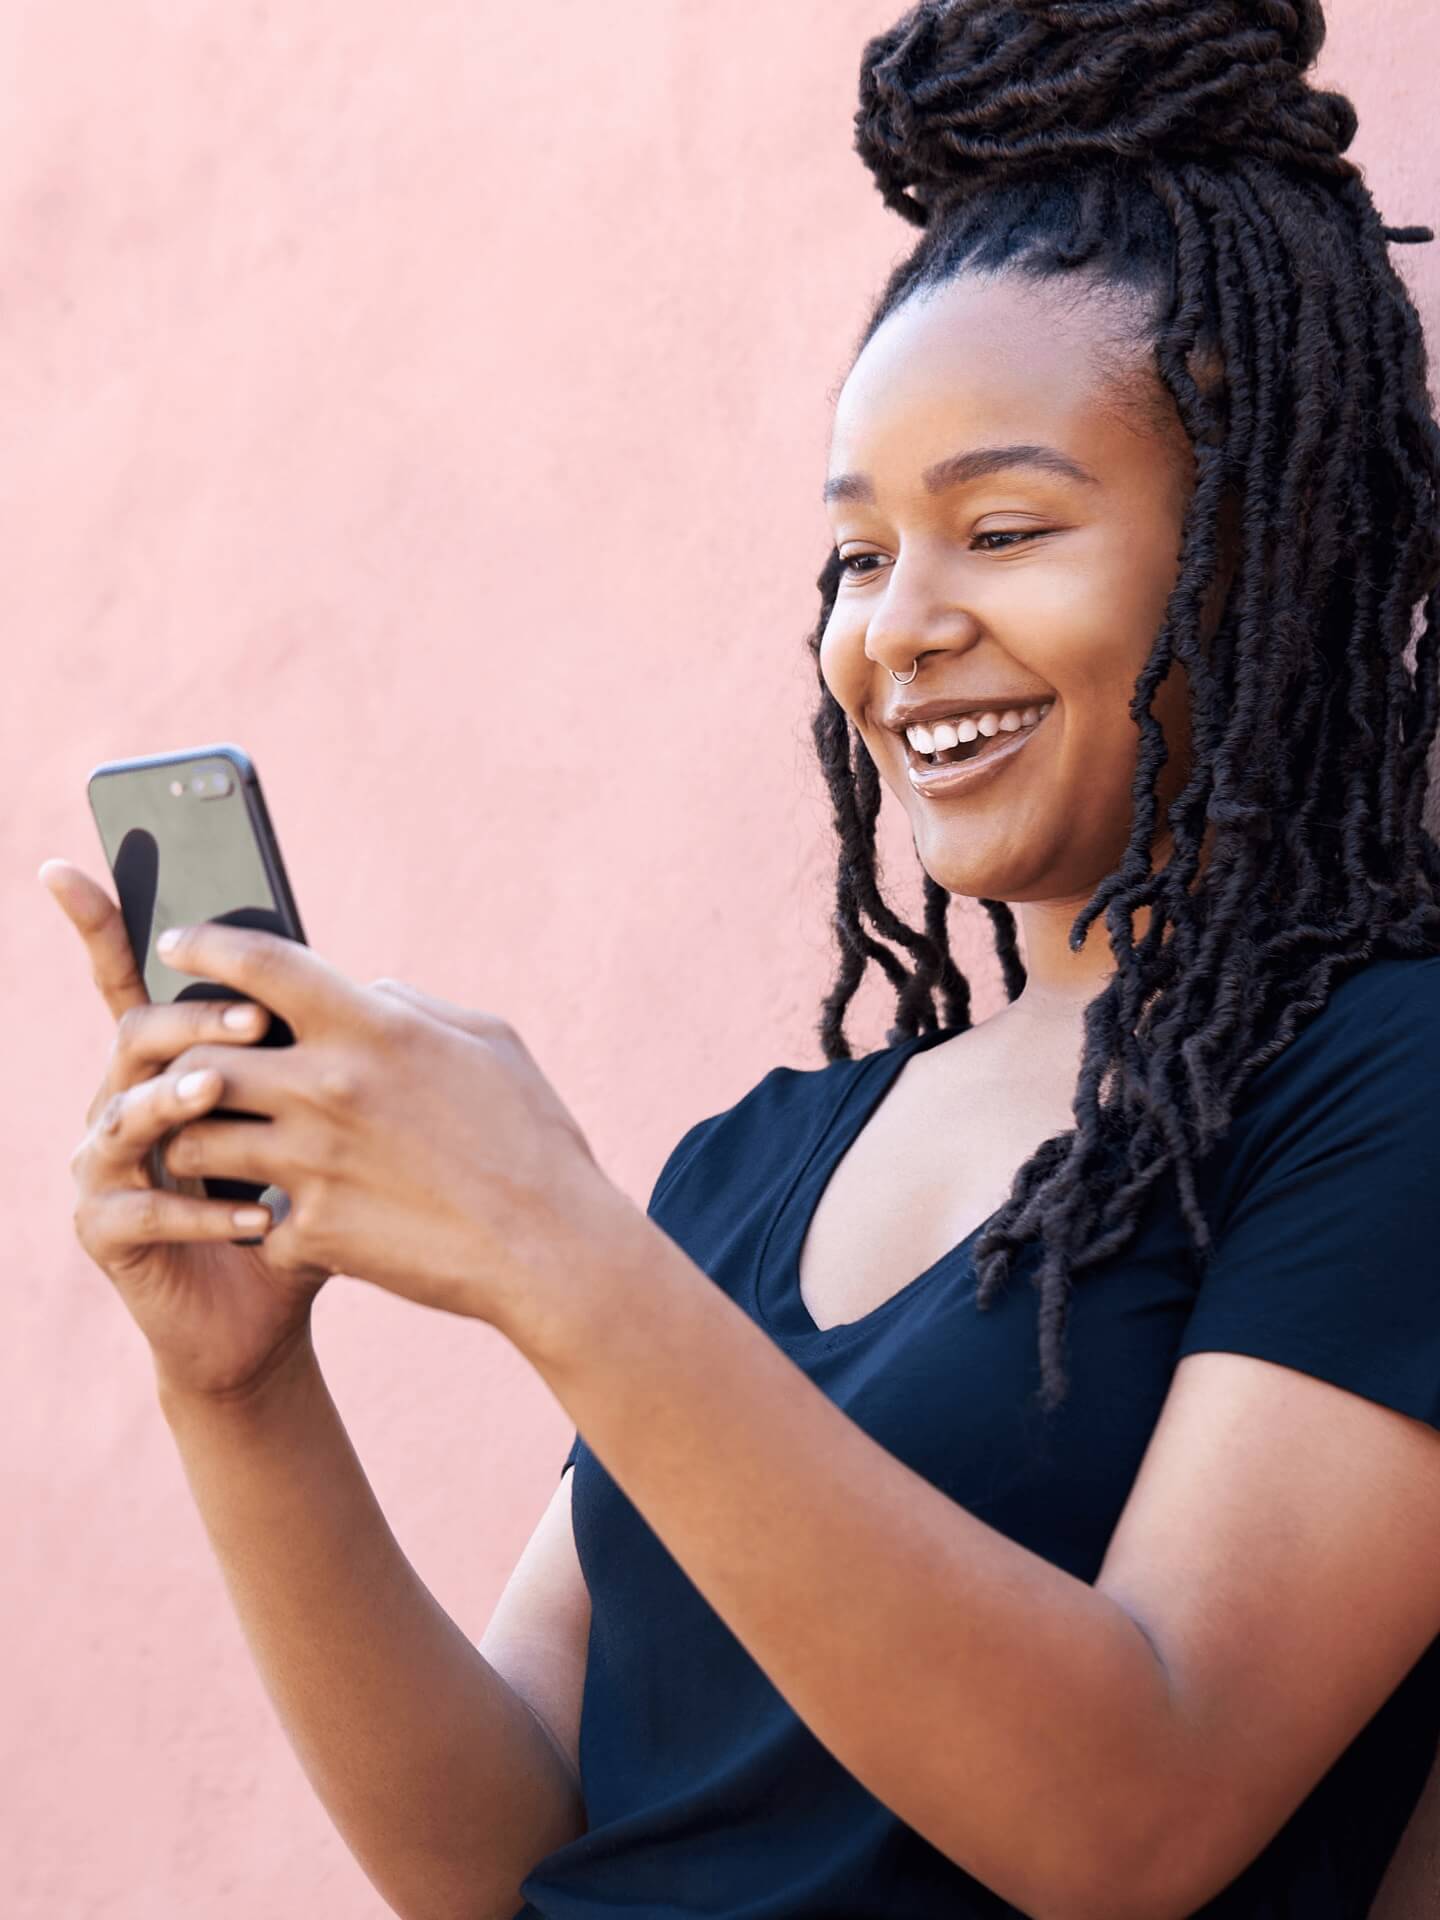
point(962, 467)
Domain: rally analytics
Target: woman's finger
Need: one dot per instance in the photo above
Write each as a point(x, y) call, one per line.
point(252, 1080)
point(151, 1037)
point(96, 918)
point(111, 1223)
point(285, 975)
point(134, 1120)
point(224, 1150)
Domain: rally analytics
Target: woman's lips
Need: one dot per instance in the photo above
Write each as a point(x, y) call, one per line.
point(959, 776)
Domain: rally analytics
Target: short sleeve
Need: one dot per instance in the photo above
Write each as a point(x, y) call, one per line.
point(679, 1157)
point(1328, 1259)
point(676, 1161)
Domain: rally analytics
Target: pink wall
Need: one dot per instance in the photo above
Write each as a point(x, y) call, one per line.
point(396, 392)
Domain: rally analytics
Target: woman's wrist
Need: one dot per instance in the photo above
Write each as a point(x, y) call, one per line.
point(292, 1363)
point(607, 1246)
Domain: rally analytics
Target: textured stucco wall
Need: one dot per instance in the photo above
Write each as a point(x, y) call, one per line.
point(426, 399)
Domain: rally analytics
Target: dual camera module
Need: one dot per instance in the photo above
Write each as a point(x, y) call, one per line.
point(203, 786)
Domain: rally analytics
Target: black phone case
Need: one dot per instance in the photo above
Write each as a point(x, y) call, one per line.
point(181, 854)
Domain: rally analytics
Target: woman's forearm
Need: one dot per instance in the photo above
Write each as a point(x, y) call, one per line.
point(438, 1777)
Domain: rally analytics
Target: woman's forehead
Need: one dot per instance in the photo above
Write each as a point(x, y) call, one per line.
point(993, 361)
point(976, 333)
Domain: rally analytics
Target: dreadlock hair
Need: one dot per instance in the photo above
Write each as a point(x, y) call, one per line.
point(1174, 148)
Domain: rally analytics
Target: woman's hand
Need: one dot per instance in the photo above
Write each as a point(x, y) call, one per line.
point(218, 1317)
point(421, 1147)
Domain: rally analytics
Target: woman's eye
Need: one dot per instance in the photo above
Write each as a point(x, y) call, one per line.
point(850, 563)
point(1035, 534)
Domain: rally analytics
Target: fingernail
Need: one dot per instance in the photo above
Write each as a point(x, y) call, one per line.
point(250, 1217)
point(239, 1018)
point(168, 940)
point(193, 1084)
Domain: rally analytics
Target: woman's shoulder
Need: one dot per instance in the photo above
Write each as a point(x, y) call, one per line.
point(789, 1092)
point(771, 1121)
point(1363, 1061)
point(1402, 984)
point(1384, 1011)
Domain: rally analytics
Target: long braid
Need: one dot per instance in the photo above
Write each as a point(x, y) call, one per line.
point(1175, 149)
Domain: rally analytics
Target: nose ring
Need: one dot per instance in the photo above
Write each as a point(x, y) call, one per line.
point(904, 679)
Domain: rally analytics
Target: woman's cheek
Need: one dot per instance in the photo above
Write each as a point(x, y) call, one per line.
point(842, 659)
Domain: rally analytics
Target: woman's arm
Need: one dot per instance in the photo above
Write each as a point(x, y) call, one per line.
point(1010, 1713)
point(441, 1780)
point(1109, 1749)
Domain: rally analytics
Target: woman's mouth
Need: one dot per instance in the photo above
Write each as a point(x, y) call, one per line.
point(958, 768)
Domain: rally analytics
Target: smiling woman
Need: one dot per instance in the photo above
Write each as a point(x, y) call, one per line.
point(1212, 468)
point(1133, 608)
point(1006, 1468)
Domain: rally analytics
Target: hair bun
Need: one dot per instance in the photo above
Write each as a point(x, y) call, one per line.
point(962, 89)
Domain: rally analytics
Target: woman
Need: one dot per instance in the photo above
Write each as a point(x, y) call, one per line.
point(1009, 1477)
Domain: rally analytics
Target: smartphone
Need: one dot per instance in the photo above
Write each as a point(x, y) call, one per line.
point(188, 838)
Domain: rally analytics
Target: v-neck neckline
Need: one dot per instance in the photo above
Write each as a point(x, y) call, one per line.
point(777, 1269)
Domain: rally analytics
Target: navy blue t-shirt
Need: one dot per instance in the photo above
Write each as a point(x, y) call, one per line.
point(705, 1793)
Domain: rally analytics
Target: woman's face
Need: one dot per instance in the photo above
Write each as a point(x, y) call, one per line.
point(1041, 576)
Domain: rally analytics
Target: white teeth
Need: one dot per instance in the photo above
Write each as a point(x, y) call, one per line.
point(951, 733)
